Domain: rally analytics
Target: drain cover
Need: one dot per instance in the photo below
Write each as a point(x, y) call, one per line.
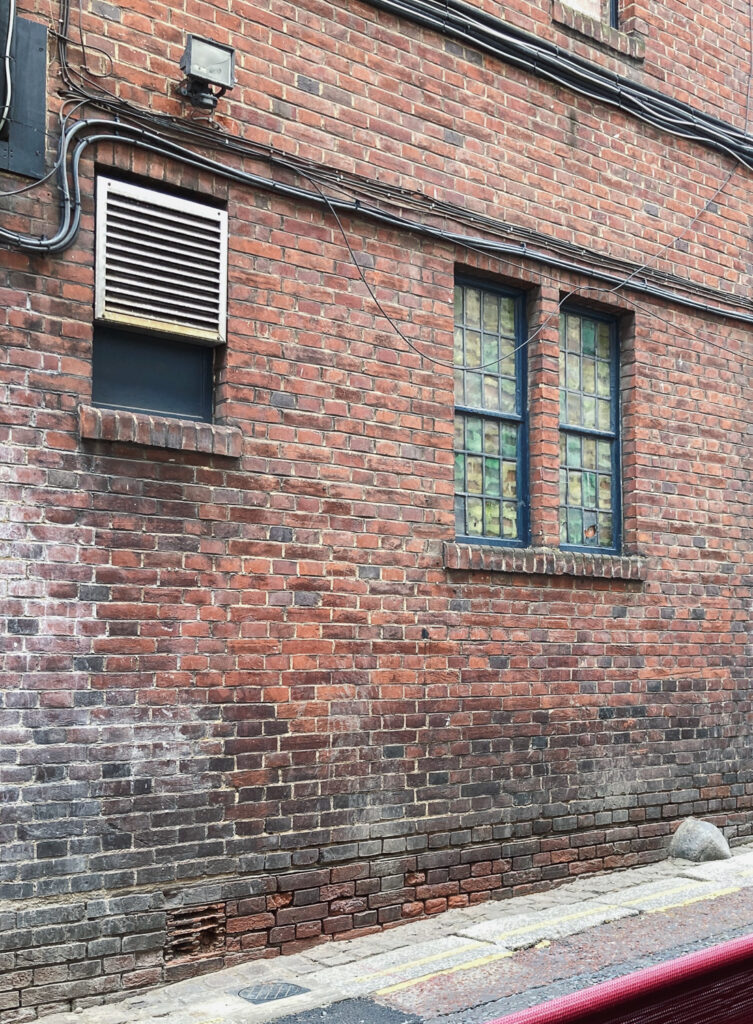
point(271, 991)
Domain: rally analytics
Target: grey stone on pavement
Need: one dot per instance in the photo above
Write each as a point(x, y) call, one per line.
point(699, 841)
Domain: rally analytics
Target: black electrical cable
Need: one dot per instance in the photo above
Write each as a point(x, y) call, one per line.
point(71, 206)
point(6, 62)
point(115, 131)
point(468, 25)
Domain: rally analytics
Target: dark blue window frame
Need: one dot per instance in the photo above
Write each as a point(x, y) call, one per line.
point(520, 417)
point(613, 435)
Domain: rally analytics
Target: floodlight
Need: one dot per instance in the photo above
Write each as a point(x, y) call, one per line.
point(206, 63)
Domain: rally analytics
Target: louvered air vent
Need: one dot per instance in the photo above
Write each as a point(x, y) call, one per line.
point(161, 262)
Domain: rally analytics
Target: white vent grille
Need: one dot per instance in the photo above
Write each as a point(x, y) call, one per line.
point(161, 262)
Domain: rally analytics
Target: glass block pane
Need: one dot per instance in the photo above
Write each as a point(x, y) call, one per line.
point(473, 389)
point(606, 538)
point(457, 351)
point(509, 480)
point(491, 477)
point(589, 376)
point(473, 307)
point(589, 412)
point(603, 345)
point(562, 369)
point(507, 316)
point(605, 455)
point(474, 474)
point(490, 352)
point(459, 515)
point(574, 526)
point(563, 526)
point(475, 516)
point(590, 528)
point(588, 333)
point(491, 313)
point(573, 371)
point(459, 433)
point(563, 487)
point(508, 395)
point(491, 393)
point(605, 415)
point(573, 333)
point(459, 472)
point(472, 348)
point(603, 379)
point(563, 407)
point(573, 450)
point(574, 487)
point(493, 524)
point(459, 387)
point(473, 427)
point(563, 449)
point(509, 520)
point(589, 490)
point(507, 367)
point(491, 437)
point(574, 411)
point(605, 493)
point(589, 453)
point(458, 304)
point(509, 440)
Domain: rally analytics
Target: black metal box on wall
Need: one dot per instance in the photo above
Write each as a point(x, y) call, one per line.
point(22, 141)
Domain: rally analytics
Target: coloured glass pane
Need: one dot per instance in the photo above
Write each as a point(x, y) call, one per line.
point(492, 477)
point(588, 407)
point(491, 313)
point(492, 522)
point(507, 316)
point(475, 516)
point(486, 444)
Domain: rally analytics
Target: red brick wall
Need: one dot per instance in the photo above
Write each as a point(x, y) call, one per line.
point(252, 669)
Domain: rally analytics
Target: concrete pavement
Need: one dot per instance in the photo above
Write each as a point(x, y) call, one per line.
point(467, 966)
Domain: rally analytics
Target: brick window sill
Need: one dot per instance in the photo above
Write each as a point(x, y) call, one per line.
point(543, 562)
point(159, 431)
point(630, 44)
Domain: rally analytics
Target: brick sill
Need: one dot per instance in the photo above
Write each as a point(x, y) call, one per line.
point(159, 431)
point(630, 44)
point(543, 562)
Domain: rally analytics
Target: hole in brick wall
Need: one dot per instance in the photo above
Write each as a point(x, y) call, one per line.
point(195, 931)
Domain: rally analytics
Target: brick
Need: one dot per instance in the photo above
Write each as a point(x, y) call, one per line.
point(249, 672)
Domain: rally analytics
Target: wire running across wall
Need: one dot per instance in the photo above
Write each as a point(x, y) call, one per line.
point(157, 134)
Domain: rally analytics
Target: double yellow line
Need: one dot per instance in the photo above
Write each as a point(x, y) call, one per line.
point(563, 919)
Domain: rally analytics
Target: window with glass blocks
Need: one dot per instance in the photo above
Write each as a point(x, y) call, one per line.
point(589, 513)
point(490, 414)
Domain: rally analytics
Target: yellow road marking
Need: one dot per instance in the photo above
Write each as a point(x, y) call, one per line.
point(423, 960)
point(479, 962)
point(555, 920)
point(694, 899)
point(482, 961)
point(661, 892)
